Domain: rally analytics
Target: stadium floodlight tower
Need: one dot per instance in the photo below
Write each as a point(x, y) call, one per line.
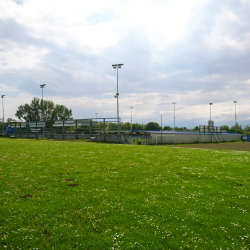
point(42, 86)
point(235, 118)
point(174, 114)
point(131, 118)
point(210, 109)
point(96, 116)
point(2, 96)
point(117, 66)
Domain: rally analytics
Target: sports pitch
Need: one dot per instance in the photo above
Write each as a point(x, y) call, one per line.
point(77, 195)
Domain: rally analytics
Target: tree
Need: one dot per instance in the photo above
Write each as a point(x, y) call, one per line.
point(34, 111)
point(112, 126)
point(196, 128)
point(167, 128)
point(60, 112)
point(239, 129)
point(153, 126)
point(225, 127)
point(180, 129)
point(10, 120)
point(247, 128)
point(101, 125)
point(125, 126)
point(138, 126)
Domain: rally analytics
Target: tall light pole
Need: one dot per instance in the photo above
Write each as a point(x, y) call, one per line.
point(42, 86)
point(117, 66)
point(235, 118)
point(131, 118)
point(210, 109)
point(174, 114)
point(96, 116)
point(2, 96)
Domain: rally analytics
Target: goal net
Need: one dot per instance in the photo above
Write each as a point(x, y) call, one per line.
point(164, 139)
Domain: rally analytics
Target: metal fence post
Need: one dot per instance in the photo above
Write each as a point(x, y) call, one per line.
point(63, 129)
point(90, 128)
point(44, 132)
point(36, 130)
point(104, 129)
point(52, 129)
point(76, 128)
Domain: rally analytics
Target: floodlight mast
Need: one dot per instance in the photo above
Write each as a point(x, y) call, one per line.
point(131, 118)
point(174, 114)
point(235, 118)
point(2, 96)
point(210, 109)
point(117, 66)
point(42, 86)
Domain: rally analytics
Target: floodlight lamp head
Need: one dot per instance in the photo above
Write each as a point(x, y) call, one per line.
point(119, 67)
point(120, 64)
point(174, 102)
point(42, 85)
point(235, 101)
point(114, 96)
point(114, 65)
point(210, 103)
point(2, 96)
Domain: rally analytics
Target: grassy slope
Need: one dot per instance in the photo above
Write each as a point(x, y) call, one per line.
point(128, 197)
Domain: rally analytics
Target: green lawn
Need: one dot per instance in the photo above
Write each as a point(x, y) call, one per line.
point(126, 197)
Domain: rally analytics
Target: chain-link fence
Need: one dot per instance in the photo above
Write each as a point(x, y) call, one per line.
point(70, 129)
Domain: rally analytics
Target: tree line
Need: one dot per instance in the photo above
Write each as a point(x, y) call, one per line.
point(150, 126)
point(154, 126)
point(239, 129)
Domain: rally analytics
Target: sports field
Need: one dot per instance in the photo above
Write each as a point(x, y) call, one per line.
point(77, 195)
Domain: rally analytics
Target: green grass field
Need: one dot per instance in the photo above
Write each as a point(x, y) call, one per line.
point(126, 197)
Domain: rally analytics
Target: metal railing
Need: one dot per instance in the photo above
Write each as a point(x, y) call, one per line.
point(69, 129)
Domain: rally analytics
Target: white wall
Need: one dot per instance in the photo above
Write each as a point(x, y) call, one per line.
point(191, 138)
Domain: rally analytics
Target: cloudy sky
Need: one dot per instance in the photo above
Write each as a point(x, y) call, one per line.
point(191, 52)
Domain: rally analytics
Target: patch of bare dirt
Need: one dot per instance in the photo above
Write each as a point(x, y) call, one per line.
point(72, 185)
point(26, 196)
point(220, 146)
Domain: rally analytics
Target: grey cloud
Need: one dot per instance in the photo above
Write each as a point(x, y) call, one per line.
point(178, 70)
point(12, 33)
